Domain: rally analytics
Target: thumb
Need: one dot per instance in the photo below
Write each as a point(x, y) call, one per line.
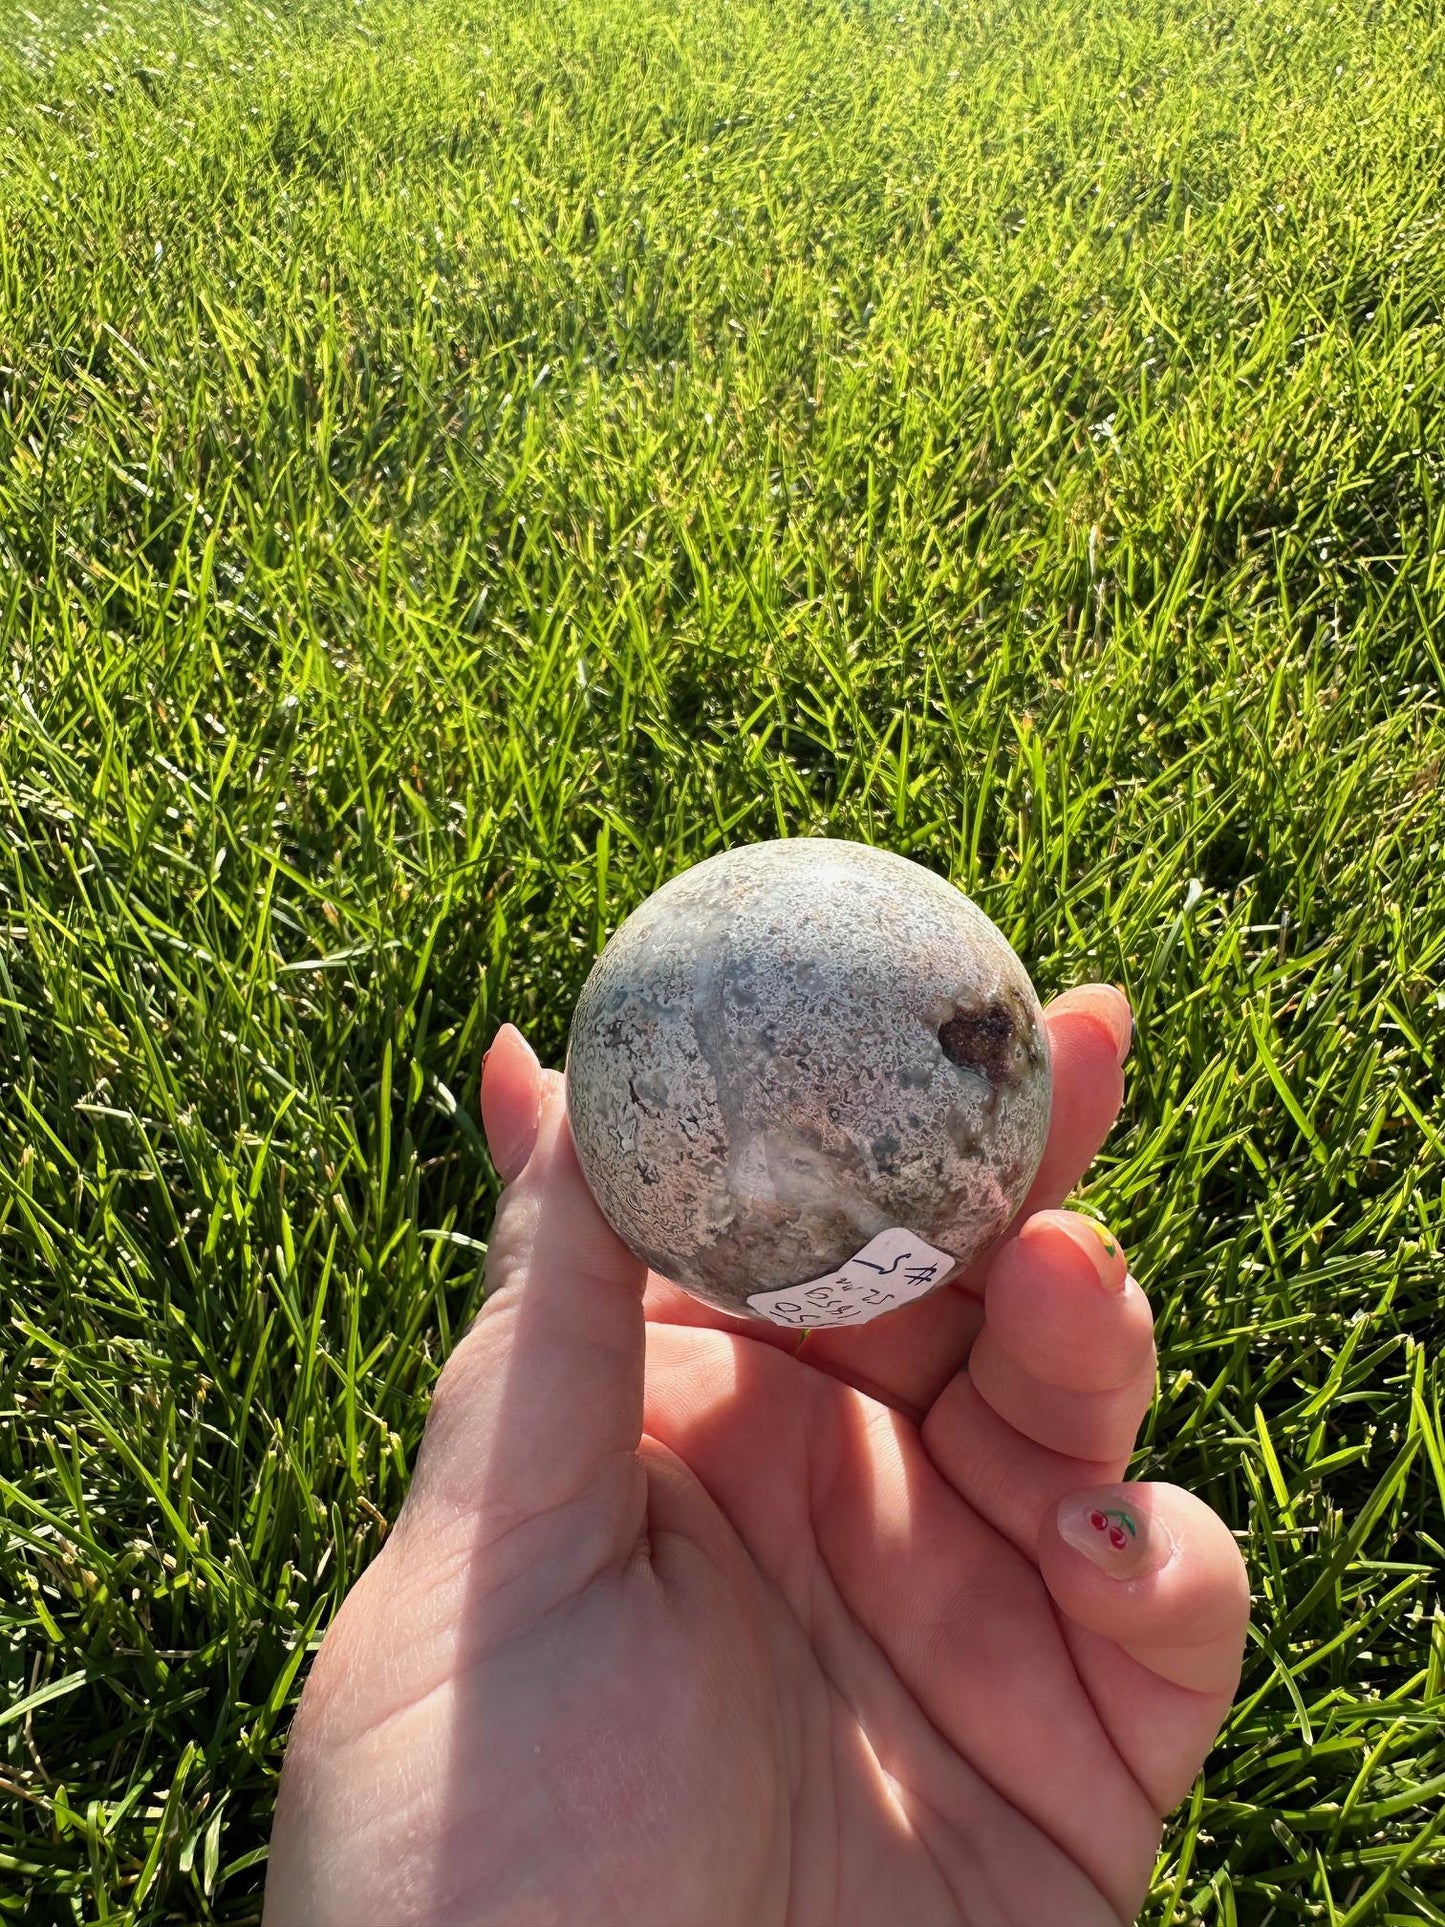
point(512, 1086)
point(539, 1409)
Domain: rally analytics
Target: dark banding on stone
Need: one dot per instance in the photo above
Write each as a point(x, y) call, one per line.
point(985, 1040)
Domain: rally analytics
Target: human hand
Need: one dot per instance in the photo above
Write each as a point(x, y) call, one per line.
point(761, 1634)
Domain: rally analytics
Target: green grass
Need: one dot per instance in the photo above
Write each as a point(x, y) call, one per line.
point(459, 464)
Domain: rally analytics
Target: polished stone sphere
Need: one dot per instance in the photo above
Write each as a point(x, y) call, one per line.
point(808, 1081)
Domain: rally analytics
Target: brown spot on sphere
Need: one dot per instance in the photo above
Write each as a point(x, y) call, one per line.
point(795, 1046)
point(981, 1040)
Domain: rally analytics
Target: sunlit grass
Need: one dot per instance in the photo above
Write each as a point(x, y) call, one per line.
point(459, 464)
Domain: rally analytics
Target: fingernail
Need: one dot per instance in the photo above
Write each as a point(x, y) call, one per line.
point(1108, 1007)
point(1113, 1534)
point(1093, 1240)
point(1112, 1277)
point(1124, 1029)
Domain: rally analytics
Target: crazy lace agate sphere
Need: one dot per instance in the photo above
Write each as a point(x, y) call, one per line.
point(808, 1081)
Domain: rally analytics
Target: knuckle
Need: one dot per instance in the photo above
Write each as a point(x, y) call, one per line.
point(514, 1235)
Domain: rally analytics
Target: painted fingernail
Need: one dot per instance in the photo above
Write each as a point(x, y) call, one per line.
point(1112, 1533)
point(1112, 1276)
point(1093, 1240)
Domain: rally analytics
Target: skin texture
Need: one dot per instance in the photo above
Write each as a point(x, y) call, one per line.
point(679, 1627)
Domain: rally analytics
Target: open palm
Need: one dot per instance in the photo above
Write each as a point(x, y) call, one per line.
point(685, 1624)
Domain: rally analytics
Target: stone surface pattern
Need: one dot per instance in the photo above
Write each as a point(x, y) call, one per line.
point(793, 1046)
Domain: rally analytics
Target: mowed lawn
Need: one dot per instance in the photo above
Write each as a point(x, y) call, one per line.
point(460, 463)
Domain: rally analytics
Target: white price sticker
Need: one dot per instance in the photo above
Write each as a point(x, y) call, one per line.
point(889, 1271)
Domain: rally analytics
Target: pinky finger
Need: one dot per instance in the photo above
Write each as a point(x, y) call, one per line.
point(1152, 1568)
point(1156, 1605)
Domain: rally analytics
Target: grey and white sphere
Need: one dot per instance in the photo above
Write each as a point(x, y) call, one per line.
point(792, 1050)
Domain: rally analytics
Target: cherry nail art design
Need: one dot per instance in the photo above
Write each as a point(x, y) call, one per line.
point(1116, 1525)
point(1121, 1541)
